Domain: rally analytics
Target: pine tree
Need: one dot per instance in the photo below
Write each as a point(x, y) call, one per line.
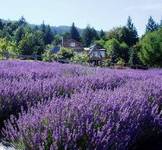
point(43, 27)
point(94, 35)
point(74, 33)
point(151, 25)
point(102, 34)
point(160, 23)
point(19, 34)
point(48, 35)
point(87, 36)
point(131, 34)
point(1, 24)
point(22, 21)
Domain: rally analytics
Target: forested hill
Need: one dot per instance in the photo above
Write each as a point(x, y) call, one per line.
point(63, 29)
point(56, 29)
point(60, 29)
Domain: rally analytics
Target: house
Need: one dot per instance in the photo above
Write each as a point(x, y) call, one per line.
point(96, 54)
point(73, 44)
point(69, 43)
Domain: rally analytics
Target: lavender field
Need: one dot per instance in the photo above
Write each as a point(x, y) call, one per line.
point(51, 106)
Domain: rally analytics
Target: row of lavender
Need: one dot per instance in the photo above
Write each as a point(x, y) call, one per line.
point(74, 107)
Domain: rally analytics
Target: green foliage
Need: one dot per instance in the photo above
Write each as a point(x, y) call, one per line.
point(101, 42)
point(74, 33)
point(80, 58)
point(124, 52)
point(134, 59)
point(32, 43)
point(151, 25)
point(19, 34)
point(112, 46)
point(89, 36)
point(57, 40)
point(121, 62)
point(7, 48)
point(1, 24)
point(151, 49)
point(160, 25)
point(106, 63)
point(131, 35)
point(22, 22)
point(49, 56)
point(102, 34)
point(48, 35)
point(65, 53)
point(127, 34)
point(115, 33)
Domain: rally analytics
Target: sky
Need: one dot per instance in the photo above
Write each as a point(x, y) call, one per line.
point(100, 14)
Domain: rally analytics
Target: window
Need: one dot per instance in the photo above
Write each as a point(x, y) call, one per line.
point(72, 44)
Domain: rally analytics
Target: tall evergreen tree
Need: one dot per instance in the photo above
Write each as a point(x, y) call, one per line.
point(95, 35)
point(1, 24)
point(151, 25)
point(160, 23)
point(22, 21)
point(74, 33)
point(87, 36)
point(19, 34)
point(130, 33)
point(102, 34)
point(43, 27)
point(47, 33)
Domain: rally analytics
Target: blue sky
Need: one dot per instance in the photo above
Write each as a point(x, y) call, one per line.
point(101, 14)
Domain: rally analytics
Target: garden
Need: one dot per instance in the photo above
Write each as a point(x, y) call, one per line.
point(52, 106)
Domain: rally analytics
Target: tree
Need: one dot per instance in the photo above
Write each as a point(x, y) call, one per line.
point(102, 34)
point(8, 47)
point(134, 59)
point(57, 40)
point(22, 21)
point(113, 46)
point(130, 33)
point(1, 24)
point(151, 25)
point(80, 58)
point(65, 53)
point(116, 33)
point(160, 25)
point(151, 49)
point(95, 35)
point(19, 34)
point(89, 36)
point(74, 33)
point(32, 43)
point(123, 52)
point(127, 34)
point(48, 35)
point(100, 42)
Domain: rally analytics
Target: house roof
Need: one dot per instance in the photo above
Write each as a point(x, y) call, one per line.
point(95, 47)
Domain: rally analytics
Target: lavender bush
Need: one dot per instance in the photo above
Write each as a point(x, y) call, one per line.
point(48, 106)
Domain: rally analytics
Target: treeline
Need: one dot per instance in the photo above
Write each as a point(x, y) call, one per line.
point(122, 44)
point(125, 47)
point(21, 37)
